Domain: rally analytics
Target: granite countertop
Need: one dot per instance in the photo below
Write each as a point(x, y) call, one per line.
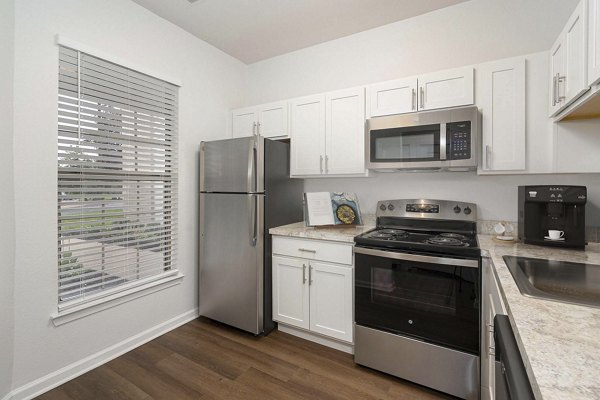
point(340, 233)
point(560, 343)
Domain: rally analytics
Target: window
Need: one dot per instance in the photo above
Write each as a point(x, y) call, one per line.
point(117, 178)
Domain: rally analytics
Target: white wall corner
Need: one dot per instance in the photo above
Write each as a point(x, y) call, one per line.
point(57, 378)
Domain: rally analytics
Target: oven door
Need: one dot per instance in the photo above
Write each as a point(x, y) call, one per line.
point(430, 298)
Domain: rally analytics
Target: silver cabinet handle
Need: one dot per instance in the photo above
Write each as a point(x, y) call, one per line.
point(488, 156)
point(492, 351)
point(310, 281)
point(326, 164)
point(258, 129)
point(422, 95)
point(554, 90)
point(321, 163)
point(559, 79)
point(303, 273)
point(254, 129)
point(307, 250)
point(414, 99)
point(490, 328)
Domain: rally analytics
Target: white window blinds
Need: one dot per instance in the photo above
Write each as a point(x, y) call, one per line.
point(117, 178)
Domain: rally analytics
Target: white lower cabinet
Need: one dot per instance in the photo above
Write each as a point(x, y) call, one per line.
point(492, 305)
point(331, 300)
point(290, 291)
point(311, 294)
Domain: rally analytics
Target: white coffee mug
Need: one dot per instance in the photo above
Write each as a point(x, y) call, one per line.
point(555, 234)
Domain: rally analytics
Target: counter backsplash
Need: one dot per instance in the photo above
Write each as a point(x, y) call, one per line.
point(486, 227)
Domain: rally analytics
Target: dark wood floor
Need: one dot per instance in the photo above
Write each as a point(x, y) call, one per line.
point(207, 360)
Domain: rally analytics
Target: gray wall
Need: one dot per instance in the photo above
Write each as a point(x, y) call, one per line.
point(7, 223)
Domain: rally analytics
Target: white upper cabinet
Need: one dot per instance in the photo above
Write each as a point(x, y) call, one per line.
point(308, 136)
point(501, 99)
point(593, 42)
point(327, 134)
point(448, 88)
point(568, 61)
point(576, 53)
point(268, 120)
point(392, 97)
point(557, 68)
point(273, 120)
point(345, 132)
point(244, 121)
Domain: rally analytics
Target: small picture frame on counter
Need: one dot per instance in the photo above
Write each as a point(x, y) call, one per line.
point(331, 208)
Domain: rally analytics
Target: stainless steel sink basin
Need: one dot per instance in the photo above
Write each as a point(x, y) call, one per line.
point(563, 281)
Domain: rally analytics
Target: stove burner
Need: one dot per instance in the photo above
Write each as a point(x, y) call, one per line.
point(447, 241)
point(389, 234)
point(453, 236)
point(392, 231)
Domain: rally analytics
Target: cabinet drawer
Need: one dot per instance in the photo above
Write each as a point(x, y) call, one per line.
point(340, 253)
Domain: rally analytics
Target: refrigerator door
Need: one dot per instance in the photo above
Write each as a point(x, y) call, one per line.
point(231, 259)
point(232, 165)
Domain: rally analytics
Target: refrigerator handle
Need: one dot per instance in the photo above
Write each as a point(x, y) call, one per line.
point(253, 205)
point(252, 166)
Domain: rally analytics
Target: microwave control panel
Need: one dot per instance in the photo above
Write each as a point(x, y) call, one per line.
point(458, 140)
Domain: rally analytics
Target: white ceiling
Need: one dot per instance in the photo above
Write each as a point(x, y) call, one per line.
point(254, 30)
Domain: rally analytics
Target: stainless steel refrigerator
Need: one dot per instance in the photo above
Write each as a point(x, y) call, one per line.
point(245, 189)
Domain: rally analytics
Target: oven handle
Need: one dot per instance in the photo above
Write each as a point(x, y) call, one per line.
point(418, 258)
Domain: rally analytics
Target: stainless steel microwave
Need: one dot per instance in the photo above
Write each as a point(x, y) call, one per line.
point(445, 139)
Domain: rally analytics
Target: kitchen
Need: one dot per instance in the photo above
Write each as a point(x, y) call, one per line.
point(213, 84)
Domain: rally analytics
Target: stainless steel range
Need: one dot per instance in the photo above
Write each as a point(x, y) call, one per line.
point(418, 294)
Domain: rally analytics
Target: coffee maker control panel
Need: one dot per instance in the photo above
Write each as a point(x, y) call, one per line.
point(557, 194)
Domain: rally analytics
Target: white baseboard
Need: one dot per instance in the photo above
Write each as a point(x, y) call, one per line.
point(57, 378)
point(313, 337)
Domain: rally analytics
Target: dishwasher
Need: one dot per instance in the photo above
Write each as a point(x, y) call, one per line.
point(511, 378)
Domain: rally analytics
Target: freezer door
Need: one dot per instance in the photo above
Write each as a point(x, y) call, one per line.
point(231, 259)
point(232, 165)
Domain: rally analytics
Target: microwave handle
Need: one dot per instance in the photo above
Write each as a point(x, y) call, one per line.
point(442, 142)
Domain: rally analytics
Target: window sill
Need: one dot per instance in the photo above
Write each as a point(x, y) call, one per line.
point(83, 310)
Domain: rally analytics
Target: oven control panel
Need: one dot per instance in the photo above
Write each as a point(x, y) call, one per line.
point(423, 208)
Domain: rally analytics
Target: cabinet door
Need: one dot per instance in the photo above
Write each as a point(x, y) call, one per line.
point(392, 97)
point(307, 136)
point(492, 305)
point(443, 89)
point(594, 42)
point(273, 120)
point(501, 96)
point(557, 72)
point(575, 81)
point(345, 132)
point(244, 122)
point(331, 300)
point(291, 291)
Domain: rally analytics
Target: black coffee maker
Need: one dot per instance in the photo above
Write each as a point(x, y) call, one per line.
point(553, 207)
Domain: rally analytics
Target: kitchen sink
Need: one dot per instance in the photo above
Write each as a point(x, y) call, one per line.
point(563, 281)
